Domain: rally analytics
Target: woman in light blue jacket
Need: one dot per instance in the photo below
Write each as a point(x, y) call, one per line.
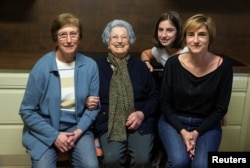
point(53, 109)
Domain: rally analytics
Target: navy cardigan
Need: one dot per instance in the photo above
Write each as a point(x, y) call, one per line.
point(145, 94)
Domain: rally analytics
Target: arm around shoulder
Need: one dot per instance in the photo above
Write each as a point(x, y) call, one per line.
point(147, 56)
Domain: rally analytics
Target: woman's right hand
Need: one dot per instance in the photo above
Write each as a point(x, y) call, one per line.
point(189, 139)
point(146, 57)
point(64, 141)
point(92, 102)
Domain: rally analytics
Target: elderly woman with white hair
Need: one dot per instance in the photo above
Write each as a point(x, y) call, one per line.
point(128, 100)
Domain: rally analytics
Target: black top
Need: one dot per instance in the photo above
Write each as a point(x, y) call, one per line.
point(184, 94)
point(146, 97)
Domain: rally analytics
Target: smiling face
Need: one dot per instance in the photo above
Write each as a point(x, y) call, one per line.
point(67, 42)
point(197, 40)
point(119, 42)
point(166, 33)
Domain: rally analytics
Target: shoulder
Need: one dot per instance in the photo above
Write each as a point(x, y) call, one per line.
point(185, 49)
point(136, 65)
point(226, 60)
point(102, 61)
point(85, 61)
point(135, 61)
point(42, 69)
point(226, 63)
point(47, 62)
point(47, 57)
point(172, 62)
point(173, 58)
point(158, 52)
point(103, 65)
point(84, 58)
point(225, 70)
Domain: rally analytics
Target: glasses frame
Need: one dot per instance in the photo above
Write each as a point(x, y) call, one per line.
point(63, 36)
point(117, 38)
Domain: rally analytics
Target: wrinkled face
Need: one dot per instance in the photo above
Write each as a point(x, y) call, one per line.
point(119, 42)
point(197, 40)
point(68, 39)
point(166, 33)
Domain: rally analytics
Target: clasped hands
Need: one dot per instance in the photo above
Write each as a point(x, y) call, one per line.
point(66, 140)
point(189, 139)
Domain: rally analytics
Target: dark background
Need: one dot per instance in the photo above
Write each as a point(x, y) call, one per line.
point(25, 25)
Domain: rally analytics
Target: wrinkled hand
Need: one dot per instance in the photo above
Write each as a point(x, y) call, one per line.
point(77, 133)
point(190, 141)
point(134, 120)
point(65, 141)
point(92, 102)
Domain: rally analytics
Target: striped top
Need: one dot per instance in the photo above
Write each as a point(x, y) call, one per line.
point(66, 71)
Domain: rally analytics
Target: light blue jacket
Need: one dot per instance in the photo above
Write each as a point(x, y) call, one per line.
point(40, 108)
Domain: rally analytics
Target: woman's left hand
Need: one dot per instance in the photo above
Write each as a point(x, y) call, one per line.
point(223, 121)
point(194, 135)
point(77, 133)
point(134, 120)
point(189, 139)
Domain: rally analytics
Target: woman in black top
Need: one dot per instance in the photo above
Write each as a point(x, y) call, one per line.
point(196, 91)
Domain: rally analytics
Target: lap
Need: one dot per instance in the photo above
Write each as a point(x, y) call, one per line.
point(138, 147)
point(175, 148)
point(82, 155)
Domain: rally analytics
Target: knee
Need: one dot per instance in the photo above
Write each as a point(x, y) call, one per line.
point(199, 163)
point(92, 164)
point(142, 159)
point(86, 163)
point(178, 162)
point(111, 158)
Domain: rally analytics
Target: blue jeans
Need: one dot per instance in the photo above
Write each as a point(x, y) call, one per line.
point(177, 155)
point(83, 155)
point(139, 147)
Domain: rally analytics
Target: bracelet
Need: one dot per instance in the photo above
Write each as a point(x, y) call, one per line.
point(146, 60)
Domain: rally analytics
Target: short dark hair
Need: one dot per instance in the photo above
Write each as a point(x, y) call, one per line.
point(62, 20)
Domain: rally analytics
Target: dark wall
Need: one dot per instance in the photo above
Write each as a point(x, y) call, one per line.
point(25, 24)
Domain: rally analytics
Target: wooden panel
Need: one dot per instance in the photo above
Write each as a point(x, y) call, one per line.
point(25, 25)
point(240, 82)
point(13, 80)
point(15, 161)
point(10, 102)
point(230, 138)
point(11, 142)
point(236, 108)
point(12, 87)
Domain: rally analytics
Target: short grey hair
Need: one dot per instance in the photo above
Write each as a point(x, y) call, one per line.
point(118, 23)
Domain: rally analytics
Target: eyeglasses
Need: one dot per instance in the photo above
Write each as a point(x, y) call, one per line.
point(64, 35)
point(117, 38)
